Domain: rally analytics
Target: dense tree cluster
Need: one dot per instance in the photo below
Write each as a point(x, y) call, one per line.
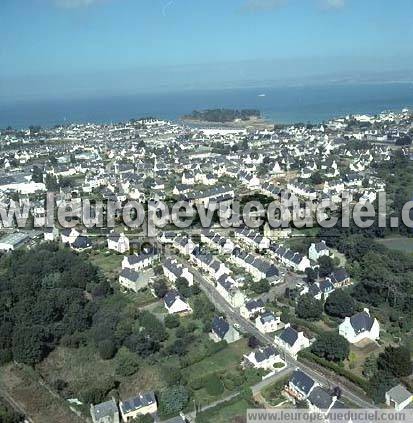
point(43, 297)
point(309, 307)
point(223, 115)
point(331, 346)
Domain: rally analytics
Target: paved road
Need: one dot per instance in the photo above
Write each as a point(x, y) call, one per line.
point(326, 379)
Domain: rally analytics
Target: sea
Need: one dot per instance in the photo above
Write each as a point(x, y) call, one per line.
point(313, 104)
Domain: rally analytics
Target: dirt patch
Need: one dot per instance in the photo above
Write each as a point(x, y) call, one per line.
point(37, 402)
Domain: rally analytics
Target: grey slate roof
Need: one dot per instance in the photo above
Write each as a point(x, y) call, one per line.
point(289, 335)
point(399, 394)
point(302, 381)
point(135, 403)
point(220, 326)
point(320, 398)
point(265, 353)
point(105, 409)
point(361, 322)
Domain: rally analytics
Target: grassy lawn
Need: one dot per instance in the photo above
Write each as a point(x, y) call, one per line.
point(398, 243)
point(227, 359)
point(226, 413)
point(358, 355)
point(108, 262)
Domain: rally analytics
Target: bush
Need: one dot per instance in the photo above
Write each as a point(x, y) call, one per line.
point(5, 356)
point(332, 346)
point(172, 321)
point(340, 370)
point(127, 363)
point(107, 349)
point(173, 400)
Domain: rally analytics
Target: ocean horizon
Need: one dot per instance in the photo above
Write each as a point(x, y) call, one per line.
point(313, 104)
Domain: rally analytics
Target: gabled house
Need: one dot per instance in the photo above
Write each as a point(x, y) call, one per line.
point(230, 292)
point(118, 242)
point(251, 308)
point(81, 243)
point(175, 304)
point(340, 278)
point(300, 385)
point(223, 331)
point(318, 250)
point(320, 400)
point(291, 340)
point(399, 398)
point(174, 270)
point(360, 326)
point(264, 358)
point(105, 412)
point(140, 261)
point(140, 405)
point(132, 280)
point(267, 322)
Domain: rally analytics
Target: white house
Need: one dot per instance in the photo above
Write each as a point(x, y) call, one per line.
point(229, 291)
point(223, 331)
point(105, 412)
point(252, 308)
point(139, 405)
point(360, 326)
point(132, 280)
point(264, 358)
point(267, 322)
point(300, 385)
point(175, 304)
point(398, 397)
point(68, 236)
point(118, 242)
point(139, 261)
point(174, 270)
point(318, 250)
point(292, 341)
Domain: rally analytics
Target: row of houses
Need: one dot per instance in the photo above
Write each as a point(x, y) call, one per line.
point(128, 410)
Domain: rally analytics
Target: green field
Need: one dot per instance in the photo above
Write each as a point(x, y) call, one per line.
point(228, 412)
point(398, 244)
point(227, 359)
point(109, 263)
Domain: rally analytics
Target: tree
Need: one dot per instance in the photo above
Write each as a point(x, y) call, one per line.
point(340, 304)
point(379, 384)
point(370, 367)
point(29, 344)
point(160, 288)
point(309, 307)
point(253, 342)
point(311, 274)
point(172, 321)
point(316, 178)
point(326, 264)
point(173, 400)
point(331, 346)
point(183, 287)
point(396, 361)
point(261, 286)
point(127, 363)
point(107, 349)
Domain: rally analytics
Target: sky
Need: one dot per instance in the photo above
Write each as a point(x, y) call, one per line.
point(74, 48)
